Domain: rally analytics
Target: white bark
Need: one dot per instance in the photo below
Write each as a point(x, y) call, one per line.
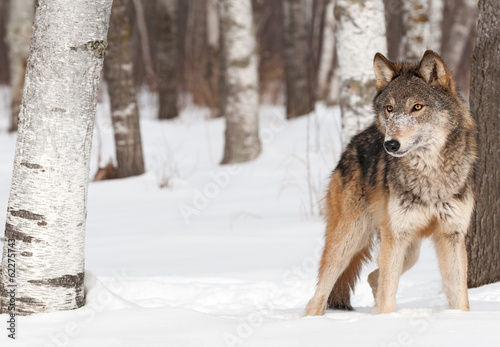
point(19, 28)
point(327, 51)
point(47, 205)
point(436, 8)
point(418, 30)
point(360, 34)
point(464, 22)
point(240, 80)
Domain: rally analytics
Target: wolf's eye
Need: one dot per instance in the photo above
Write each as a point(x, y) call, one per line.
point(417, 107)
point(389, 108)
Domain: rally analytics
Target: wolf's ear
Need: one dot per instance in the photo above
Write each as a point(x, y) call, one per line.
point(434, 71)
point(384, 71)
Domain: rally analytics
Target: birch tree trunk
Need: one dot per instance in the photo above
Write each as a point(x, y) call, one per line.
point(483, 241)
point(436, 13)
point(360, 34)
point(464, 21)
point(240, 81)
point(166, 58)
point(418, 29)
point(124, 111)
point(47, 207)
point(20, 21)
point(298, 58)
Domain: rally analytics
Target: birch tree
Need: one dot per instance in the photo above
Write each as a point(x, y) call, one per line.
point(47, 209)
point(360, 34)
point(298, 57)
point(124, 111)
point(239, 78)
point(20, 21)
point(483, 243)
point(417, 29)
point(166, 58)
point(464, 21)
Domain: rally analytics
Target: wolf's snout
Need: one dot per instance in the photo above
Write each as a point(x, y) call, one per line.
point(392, 146)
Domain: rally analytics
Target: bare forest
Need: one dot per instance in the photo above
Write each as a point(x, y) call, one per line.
point(173, 157)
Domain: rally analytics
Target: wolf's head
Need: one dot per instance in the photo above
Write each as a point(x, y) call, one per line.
point(415, 104)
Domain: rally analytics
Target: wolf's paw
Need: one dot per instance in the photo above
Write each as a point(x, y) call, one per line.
point(313, 308)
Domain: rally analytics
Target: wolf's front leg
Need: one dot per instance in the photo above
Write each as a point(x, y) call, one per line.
point(449, 239)
point(390, 261)
point(452, 256)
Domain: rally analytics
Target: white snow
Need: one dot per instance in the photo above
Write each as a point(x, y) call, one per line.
point(240, 271)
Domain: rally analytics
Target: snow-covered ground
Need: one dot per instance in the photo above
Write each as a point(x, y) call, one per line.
point(197, 254)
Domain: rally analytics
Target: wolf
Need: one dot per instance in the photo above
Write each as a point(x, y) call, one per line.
point(406, 177)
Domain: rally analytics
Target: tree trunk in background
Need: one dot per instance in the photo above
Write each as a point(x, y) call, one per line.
point(21, 13)
point(48, 199)
point(144, 42)
point(327, 52)
point(317, 30)
point(269, 31)
point(358, 39)
point(328, 87)
point(465, 20)
point(436, 13)
point(239, 70)
point(182, 16)
point(416, 39)
point(124, 111)
point(4, 60)
point(200, 57)
point(298, 58)
point(483, 240)
point(394, 27)
point(166, 58)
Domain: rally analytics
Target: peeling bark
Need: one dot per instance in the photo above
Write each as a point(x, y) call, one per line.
point(360, 34)
point(48, 199)
point(124, 110)
point(240, 97)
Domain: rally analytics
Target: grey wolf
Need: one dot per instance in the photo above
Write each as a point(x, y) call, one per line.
point(406, 177)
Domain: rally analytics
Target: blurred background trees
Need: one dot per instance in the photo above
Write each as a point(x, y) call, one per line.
point(175, 47)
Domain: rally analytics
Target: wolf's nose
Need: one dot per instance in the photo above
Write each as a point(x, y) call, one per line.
point(392, 146)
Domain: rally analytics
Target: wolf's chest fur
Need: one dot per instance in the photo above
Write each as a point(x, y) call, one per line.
point(426, 178)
